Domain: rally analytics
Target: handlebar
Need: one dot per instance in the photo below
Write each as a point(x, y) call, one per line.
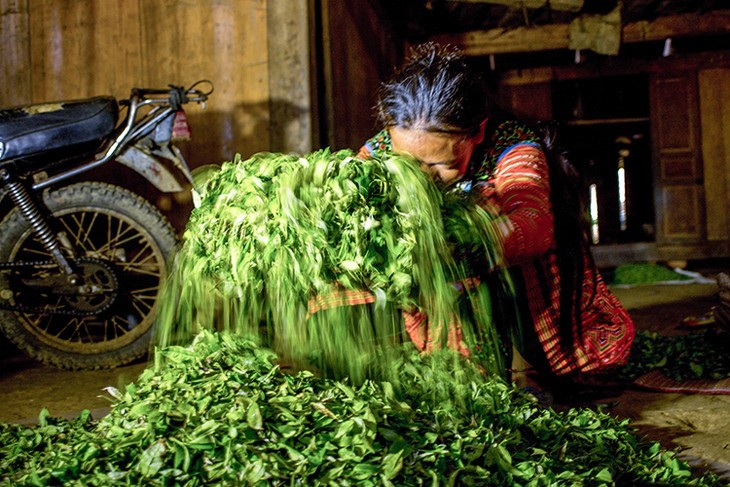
point(176, 95)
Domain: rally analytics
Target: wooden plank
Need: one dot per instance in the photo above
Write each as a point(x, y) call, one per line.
point(117, 40)
point(667, 252)
point(555, 5)
point(527, 76)
point(556, 36)
point(289, 76)
point(38, 45)
point(15, 53)
point(714, 88)
point(224, 41)
point(694, 24)
point(83, 48)
point(617, 67)
point(360, 50)
point(515, 4)
point(315, 42)
point(501, 41)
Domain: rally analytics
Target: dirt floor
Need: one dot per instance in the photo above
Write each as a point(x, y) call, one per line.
point(696, 425)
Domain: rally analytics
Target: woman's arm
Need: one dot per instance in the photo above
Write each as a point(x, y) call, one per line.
point(521, 191)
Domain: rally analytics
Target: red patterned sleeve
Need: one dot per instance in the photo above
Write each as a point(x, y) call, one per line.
point(521, 190)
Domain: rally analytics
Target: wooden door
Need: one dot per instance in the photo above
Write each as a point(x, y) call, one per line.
point(679, 197)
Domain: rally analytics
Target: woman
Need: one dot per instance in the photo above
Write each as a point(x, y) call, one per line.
point(434, 108)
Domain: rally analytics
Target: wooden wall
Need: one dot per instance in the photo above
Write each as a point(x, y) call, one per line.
point(290, 75)
point(360, 50)
point(714, 89)
point(690, 133)
point(64, 49)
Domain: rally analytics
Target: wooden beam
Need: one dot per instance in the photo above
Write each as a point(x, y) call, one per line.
point(556, 5)
point(619, 67)
point(687, 25)
point(501, 41)
point(557, 36)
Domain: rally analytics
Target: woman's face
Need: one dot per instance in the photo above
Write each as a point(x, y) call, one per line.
point(444, 156)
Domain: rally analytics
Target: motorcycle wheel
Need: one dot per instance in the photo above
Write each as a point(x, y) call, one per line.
point(120, 241)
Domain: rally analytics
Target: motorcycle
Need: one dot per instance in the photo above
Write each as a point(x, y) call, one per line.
point(82, 261)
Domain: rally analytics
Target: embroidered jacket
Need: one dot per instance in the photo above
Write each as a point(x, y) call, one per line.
point(512, 175)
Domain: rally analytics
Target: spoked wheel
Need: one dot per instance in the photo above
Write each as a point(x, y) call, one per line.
point(119, 245)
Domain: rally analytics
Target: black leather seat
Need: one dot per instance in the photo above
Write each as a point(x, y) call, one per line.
point(31, 129)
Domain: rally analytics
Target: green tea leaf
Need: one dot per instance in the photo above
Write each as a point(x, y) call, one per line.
point(152, 459)
point(253, 416)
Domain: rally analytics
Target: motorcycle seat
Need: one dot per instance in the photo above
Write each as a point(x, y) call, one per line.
point(31, 129)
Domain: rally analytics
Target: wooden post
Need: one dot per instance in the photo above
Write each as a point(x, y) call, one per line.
point(290, 91)
point(15, 72)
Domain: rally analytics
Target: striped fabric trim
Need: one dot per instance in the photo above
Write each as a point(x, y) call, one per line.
point(522, 193)
point(427, 337)
point(522, 143)
point(607, 330)
point(339, 297)
point(423, 335)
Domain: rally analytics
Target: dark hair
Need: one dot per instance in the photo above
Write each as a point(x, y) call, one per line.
point(434, 90)
point(571, 231)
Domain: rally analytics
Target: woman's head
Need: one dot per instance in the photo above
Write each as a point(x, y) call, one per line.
point(434, 90)
point(435, 109)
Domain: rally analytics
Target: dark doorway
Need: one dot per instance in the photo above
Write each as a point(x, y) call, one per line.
point(606, 130)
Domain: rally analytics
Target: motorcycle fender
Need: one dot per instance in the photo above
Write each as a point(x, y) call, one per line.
point(150, 169)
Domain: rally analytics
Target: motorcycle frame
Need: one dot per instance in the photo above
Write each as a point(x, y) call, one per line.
point(132, 131)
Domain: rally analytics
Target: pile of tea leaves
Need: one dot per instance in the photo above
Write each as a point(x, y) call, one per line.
point(636, 274)
point(279, 243)
point(698, 355)
point(221, 412)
